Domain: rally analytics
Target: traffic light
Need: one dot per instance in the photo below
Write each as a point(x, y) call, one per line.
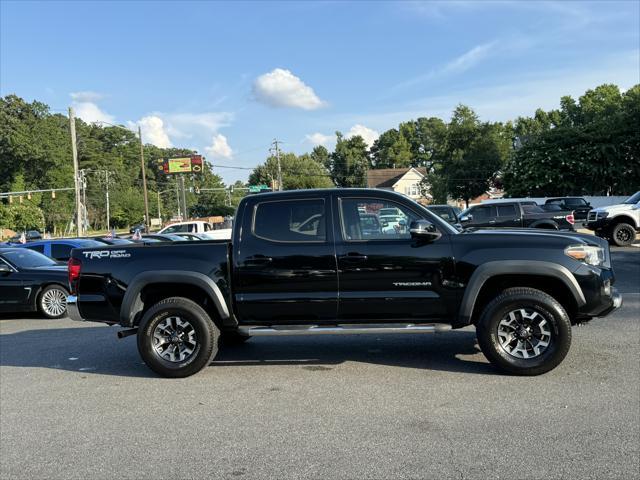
point(53, 194)
point(28, 195)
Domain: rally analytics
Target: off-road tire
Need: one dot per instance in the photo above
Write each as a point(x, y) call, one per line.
point(531, 299)
point(206, 334)
point(623, 234)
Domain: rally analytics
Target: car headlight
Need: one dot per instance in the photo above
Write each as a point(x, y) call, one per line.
point(586, 253)
point(603, 214)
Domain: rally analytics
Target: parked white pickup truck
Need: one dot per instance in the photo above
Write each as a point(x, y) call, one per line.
point(198, 226)
point(617, 223)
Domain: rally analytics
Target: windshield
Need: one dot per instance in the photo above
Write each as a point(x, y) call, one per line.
point(25, 258)
point(633, 199)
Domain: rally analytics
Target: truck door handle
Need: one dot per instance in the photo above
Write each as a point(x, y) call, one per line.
point(257, 260)
point(492, 221)
point(354, 257)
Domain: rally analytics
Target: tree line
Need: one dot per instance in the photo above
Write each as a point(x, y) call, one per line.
point(586, 147)
point(35, 153)
point(589, 146)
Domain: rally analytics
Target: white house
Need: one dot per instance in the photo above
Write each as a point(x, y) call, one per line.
point(401, 180)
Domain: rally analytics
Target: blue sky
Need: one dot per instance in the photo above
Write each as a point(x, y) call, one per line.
point(228, 78)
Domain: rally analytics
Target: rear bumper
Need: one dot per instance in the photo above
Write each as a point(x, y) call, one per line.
point(72, 308)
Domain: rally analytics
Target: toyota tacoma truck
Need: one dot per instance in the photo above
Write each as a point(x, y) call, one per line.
point(309, 262)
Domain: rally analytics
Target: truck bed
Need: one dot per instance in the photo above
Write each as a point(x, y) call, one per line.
point(107, 272)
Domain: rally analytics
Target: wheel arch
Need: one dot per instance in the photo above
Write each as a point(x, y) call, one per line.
point(148, 288)
point(43, 285)
point(623, 218)
point(490, 277)
point(548, 224)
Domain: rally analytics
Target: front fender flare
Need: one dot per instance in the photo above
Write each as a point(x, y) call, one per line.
point(132, 302)
point(514, 267)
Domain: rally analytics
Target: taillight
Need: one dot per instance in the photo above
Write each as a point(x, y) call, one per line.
point(570, 218)
point(74, 267)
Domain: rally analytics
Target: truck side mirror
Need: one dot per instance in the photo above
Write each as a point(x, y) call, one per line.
point(4, 268)
point(465, 218)
point(424, 230)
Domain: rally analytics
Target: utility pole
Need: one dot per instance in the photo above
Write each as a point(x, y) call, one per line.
point(106, 179)
point(83, 184)
point(76, 183)
point(277, 149)
point(159, 216)
point(147, 221)
point(184, 199)
point(178, 199)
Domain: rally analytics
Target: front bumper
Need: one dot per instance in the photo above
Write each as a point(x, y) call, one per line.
point(72, 308)
point(616, 303)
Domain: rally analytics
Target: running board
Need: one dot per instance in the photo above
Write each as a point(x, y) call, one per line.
point(345, 329)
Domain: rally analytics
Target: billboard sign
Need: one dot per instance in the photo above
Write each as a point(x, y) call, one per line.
point(172, 166)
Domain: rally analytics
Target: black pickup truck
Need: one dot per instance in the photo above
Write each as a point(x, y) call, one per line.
point(516, 214)
point(306, 263)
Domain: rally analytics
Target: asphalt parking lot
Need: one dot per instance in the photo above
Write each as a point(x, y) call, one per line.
point(75, 402)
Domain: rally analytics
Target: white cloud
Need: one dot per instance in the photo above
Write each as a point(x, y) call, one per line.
point(460, 64)
point(86, 108)
point(86, 96)
point(281, 88)
point(153, 131)
point(219, 147)
point(318, 139)
point(190, 125)
point(468, 59)
point(366, 133)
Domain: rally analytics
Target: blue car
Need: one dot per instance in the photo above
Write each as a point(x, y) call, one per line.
point(60, 248)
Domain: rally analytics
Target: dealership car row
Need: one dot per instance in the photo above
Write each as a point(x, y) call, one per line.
point(33, 272)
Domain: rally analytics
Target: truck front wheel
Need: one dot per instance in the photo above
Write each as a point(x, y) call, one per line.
point(524, 331)
point(176, 338)
point(623, 234)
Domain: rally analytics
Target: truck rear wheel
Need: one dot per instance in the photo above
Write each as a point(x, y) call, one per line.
point(177, 338)
point(524, 331)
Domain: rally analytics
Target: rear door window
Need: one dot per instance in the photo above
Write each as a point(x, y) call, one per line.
point(507, 211)
point(483, 213)
point(290, 221)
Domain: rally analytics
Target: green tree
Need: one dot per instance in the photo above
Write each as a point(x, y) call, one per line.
point(349, 161)
point(392, 149)
point(297, 172)
point(587, 147)
point(471, 157)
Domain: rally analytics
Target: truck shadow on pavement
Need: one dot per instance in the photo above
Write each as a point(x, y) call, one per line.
point(96, 350)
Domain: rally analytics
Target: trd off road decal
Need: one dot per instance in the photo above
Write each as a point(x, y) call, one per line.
point(100, 254)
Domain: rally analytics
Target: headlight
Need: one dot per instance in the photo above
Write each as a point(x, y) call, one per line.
point(586, 253)
point(603, 214)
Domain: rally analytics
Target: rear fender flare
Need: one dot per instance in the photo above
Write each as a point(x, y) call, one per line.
point(514, 267)
point(544, 224)
point(132, 303)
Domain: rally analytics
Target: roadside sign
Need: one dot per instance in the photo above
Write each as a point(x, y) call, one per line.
point(258, 188)
point(172, 166)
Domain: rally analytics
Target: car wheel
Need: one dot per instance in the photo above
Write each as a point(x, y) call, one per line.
point(52, 301)
point(524, 331)
point(177, 338)
point(233, 338)
point(623, 234)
